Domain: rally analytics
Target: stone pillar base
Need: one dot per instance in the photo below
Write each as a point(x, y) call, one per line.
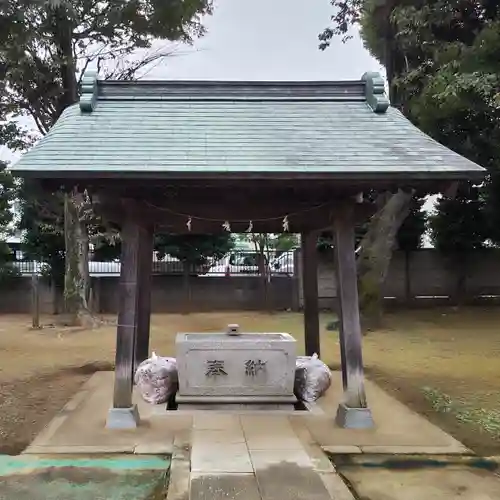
point(123, 418)
point(354, 418)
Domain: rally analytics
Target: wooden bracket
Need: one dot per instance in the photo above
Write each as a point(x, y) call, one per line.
point(451, 190)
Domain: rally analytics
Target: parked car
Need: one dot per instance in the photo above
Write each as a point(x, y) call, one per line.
point(247, 264)
point(235, 264)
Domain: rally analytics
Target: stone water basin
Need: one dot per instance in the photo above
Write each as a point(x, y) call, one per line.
point(245, 368)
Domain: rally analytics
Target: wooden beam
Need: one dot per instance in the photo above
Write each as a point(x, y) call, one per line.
point(131, 235)
point(310, 288)
point(208, 218)
point(145, 258)
point(338, 187)
point(353, 412)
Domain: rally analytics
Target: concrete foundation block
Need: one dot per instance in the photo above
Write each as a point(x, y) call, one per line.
point(354, 418)
point(123, 418)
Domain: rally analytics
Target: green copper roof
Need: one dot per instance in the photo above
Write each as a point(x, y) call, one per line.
point(337, 129)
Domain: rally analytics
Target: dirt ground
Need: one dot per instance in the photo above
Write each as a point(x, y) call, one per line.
point(443, 363)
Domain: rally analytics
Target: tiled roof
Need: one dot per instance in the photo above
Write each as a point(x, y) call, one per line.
point(342, 129)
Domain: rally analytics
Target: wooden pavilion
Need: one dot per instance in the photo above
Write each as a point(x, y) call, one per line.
point(222, 156)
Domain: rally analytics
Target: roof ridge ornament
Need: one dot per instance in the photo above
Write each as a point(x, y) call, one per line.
point(375, 92)
point(88, 96)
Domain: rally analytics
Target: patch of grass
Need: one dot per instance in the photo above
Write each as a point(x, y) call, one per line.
point(485, 420)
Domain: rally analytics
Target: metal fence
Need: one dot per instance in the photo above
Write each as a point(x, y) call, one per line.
point(233, 264)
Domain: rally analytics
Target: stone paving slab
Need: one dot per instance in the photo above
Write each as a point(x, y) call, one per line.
point(80, 426)
point(270, 464)
point(222, 486)
point(274, 443)
point(290, 481)
point(262, 459)
point(416, 450)
point(216, 421)
point(221, 458)
point(213, 437)
point(342, 449)
point(180, 468)
point(336, 487)
point(179, 480)
point(78, 449)
point(266, 424)
point(319, 459)
point(396, 425)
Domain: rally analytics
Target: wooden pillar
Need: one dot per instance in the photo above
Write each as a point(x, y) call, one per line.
point(310, 292)
point(124, 414)
point(353, 412)
point(145, 257)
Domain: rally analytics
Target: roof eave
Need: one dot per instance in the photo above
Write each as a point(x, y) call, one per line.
point(472, 174)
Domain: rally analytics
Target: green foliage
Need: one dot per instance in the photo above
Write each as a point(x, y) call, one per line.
point(270, 244)
point(410, 233)
point(43, 45)
point(452, 90)
point(442, 64)
point(460, 224)
point(7, 269)
point(43, 228)
point(7, 195)
point(44, 48)
point(347, 13)
point(285, 242)
point(106, 250)
point(193, 249)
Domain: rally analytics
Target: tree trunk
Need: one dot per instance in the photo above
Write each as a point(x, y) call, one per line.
point(375, 256)
point(77, 278)
point(264, 279)
point(63, 39)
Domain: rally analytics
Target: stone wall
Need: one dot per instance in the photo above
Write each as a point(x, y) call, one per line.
point(420, 277)
point(15, 297)
point(168, 294)
point(424, 275)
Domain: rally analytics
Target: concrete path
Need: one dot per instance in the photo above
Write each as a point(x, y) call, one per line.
point(251, 457)
point(265, 456)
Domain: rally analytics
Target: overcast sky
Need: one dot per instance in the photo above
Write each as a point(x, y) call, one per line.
point(264, 40)
point(269, 40)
